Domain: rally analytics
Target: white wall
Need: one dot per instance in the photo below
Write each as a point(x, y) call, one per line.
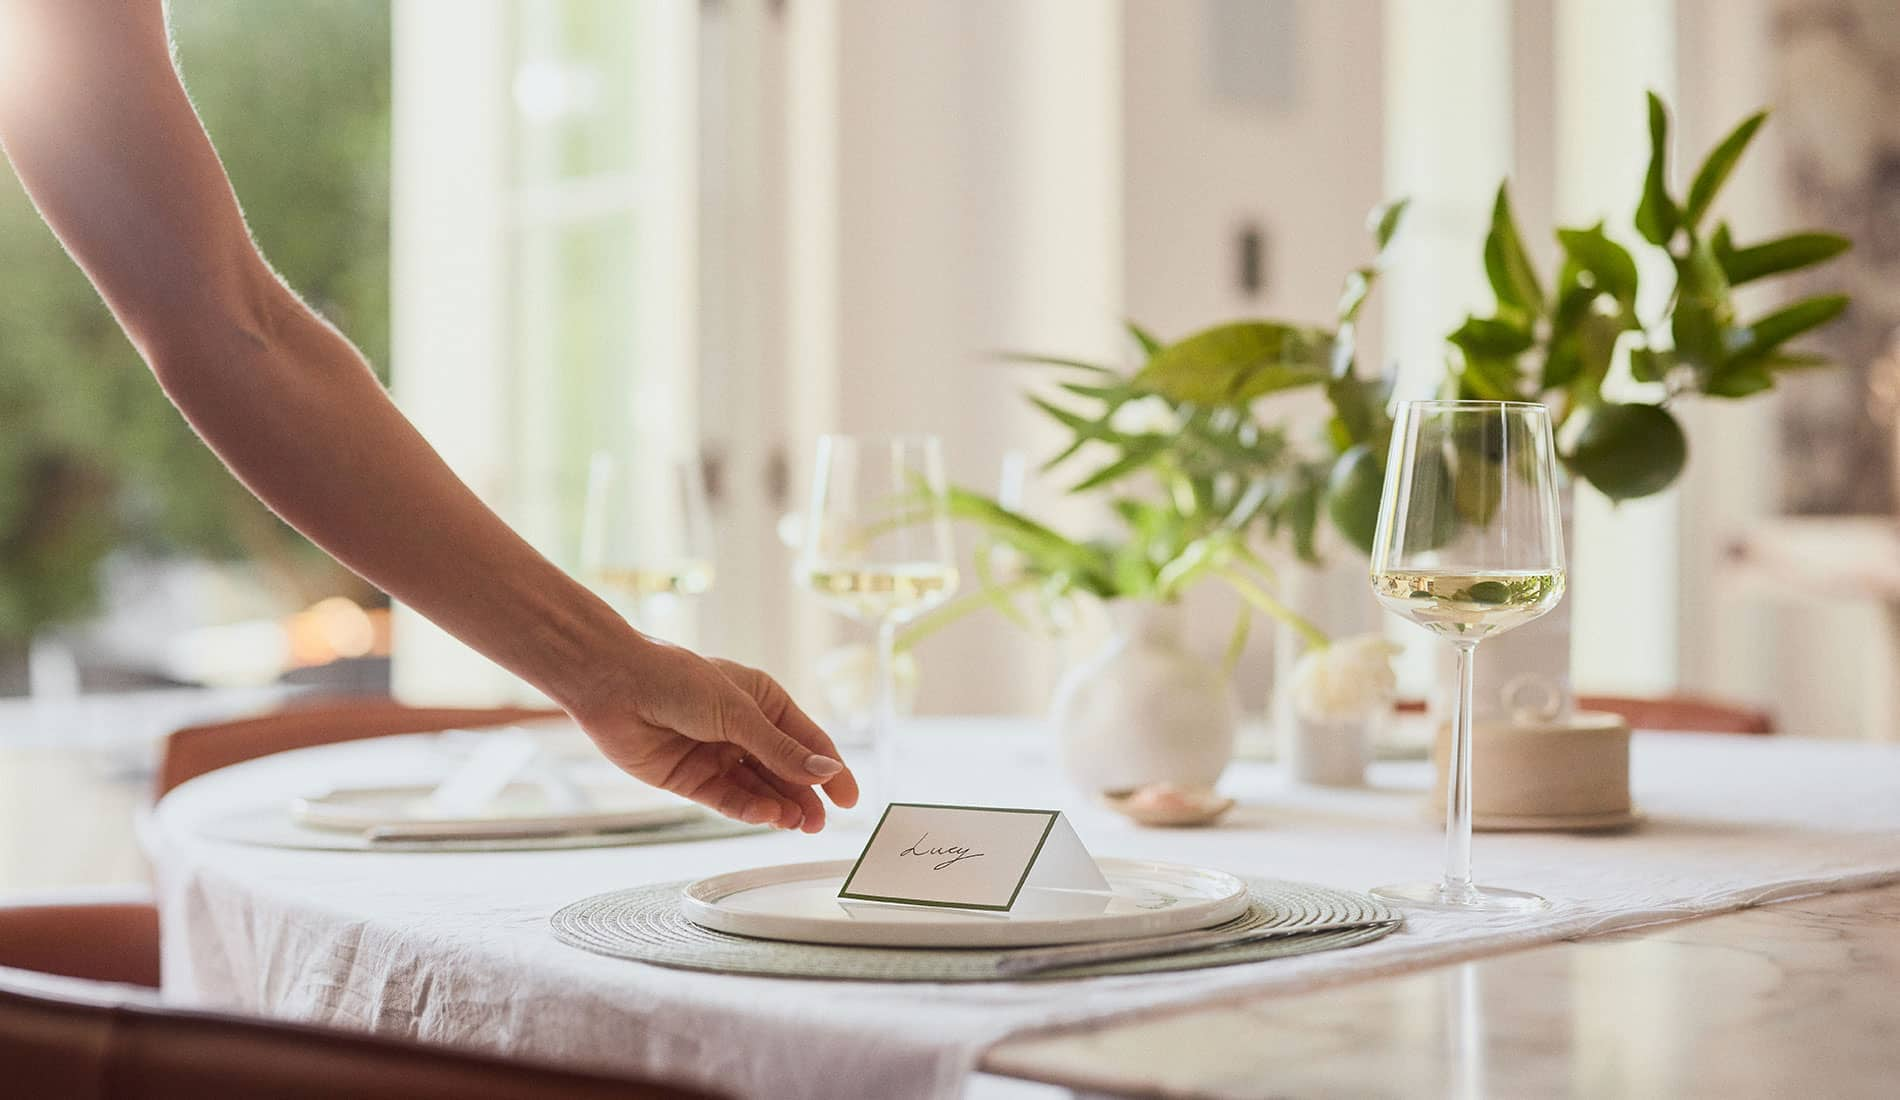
point(954, 176)
point(1296, 154)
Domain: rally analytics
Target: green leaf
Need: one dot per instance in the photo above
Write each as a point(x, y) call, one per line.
point(1054, 361)
point(1738, 379)
point(994, 594)
point(1491, 338)
point(1150, 346)
point(1384, 221)
point(1301, 515)
point(1065, 453)
point(1795, 360)
point(1359, 408)
point(1194, 560)
point(1134, 574)
point(1233, 364)
point(1049, 551)
point(1086, 426)
point(1649, 365)
point(1575, 303)
point(1703, 277)
point(1110, 394)
point(1353, 295)
point(1656, 216)
point(1490, 379)
point(1138, 454)
point(1790, 253)
point(1715, 170)
point(1770, 332)
point(1508, 266)
point(1595, 343)
point(1608, 263)
point(1698, 333)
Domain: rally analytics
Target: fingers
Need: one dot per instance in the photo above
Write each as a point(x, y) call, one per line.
point(742, 723)
point(706, 703)
point(777, 705)
point(709, 775)
point(811, 808)
point(791, 810)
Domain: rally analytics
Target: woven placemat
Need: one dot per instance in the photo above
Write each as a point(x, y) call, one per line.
point(645, 924)
point(271, 827)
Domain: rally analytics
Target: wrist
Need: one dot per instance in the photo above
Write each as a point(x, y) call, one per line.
point(587, 655)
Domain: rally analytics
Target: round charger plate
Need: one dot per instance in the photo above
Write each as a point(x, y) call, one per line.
point(646, 924)
point(520, 805)
point(271, 827)
point(799, 902)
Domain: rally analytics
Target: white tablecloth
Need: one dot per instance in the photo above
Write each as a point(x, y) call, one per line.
point(456, 948)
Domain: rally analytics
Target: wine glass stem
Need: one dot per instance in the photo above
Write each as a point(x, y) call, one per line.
point(1458, 781)
point(884, 708)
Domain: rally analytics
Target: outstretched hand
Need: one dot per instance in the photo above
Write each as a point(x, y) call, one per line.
point(722, 734)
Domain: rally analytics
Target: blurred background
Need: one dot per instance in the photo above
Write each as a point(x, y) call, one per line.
point(711, 230)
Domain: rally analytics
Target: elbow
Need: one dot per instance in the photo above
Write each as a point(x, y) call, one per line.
point(196, 338)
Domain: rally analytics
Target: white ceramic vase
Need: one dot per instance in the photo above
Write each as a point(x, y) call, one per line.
point(1144, 709)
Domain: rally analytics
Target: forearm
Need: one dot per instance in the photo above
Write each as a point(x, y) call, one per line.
point(294, 411)
point(98, 127)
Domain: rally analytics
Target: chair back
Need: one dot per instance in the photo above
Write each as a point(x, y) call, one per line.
point(191, 752)
point(93, 1048)
point(1682, 713)
point(109, 941)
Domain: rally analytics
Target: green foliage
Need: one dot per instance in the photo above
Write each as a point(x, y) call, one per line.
point(1693, 344)
point(1235, 364)
point(1217, 470)
point(1186, 480)
point(296, 97)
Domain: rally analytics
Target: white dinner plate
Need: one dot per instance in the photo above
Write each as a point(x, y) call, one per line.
point(799, 902)
point(618, 806)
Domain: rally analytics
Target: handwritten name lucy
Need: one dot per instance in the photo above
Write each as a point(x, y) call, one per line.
point(957, 853)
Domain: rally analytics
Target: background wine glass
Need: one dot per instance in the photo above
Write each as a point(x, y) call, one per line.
point(646, 539)
point(1469, 545)
point(877, 547)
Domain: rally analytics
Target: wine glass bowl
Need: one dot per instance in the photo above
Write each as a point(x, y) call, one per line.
point(646, 538)
point(877, 548)
point(1469, 546)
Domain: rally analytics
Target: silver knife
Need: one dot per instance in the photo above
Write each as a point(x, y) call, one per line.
point(1144, 947)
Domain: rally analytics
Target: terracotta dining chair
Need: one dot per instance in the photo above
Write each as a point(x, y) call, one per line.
point(1682, 714)
point(195, 750)
point(106, 1037)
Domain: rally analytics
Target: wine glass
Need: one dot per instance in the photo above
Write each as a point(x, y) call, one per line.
point(1469, 545)
point(646, 538)
point(877, 548)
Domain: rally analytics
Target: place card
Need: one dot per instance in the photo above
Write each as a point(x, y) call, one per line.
point(969, 857)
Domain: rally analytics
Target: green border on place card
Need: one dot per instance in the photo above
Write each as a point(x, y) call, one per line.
point(1028, 865)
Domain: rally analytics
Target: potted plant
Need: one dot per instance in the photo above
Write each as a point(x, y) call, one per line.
point(1608, 359)
point(1182, 484)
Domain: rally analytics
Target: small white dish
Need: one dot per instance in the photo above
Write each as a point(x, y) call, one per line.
point(618, 807)
point(799, 902)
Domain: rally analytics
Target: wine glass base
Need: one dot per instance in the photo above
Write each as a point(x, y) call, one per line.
point(1475, 899)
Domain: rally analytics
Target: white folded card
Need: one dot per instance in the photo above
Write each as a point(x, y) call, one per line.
point(969, 857)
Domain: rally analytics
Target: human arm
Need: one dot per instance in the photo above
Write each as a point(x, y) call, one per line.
point(97, 125)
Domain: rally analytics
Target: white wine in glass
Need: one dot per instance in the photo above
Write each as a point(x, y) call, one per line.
point(646, 539)
point(877, 593)
point(1469, 546)
point(877, 547)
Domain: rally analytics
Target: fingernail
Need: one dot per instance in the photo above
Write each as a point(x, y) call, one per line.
point(819, 764)
point(760, 812)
